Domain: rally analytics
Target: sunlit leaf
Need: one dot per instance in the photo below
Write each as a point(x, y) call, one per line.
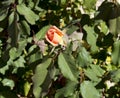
point(89, 3)
point(63, 2)
point(8, 82)
point(27, 86)
point(103, 27)
point(29, 15)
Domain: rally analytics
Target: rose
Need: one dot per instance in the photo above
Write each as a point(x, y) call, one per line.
point(54, 36)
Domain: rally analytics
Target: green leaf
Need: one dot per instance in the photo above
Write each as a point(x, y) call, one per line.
point(8, 82)
point(18, 63)
point(71, 29)
point(16, 52)
point(41, 34)
point(67, 67)
point(4, 68)
point(21, 45)
point(12, 53)
point(4, 8)
point(39, 77)
point(1, 29)
point(103, 27)
point(75, 95)
point(24, 28)
point(3, 13)
point(29, 15)
point(97, 70)
point(27, 86)
point(91, 75)
point(115, 75)
point(13, 29)
point(114, 21)
point(88, 90)
point(114, 26)
point(8, 2)
point(20, 1)
point(89, 3)
point(84, 58)
point(91, 38)
point(116, 53)
point(66, 91)
point(94, 73)
point(63, 2)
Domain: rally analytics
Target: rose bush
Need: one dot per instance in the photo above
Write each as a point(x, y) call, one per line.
point(34, 62)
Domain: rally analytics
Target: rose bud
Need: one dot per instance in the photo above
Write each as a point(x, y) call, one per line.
point(54, 36)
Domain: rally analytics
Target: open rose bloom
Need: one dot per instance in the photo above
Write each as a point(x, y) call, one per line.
point(54, 36)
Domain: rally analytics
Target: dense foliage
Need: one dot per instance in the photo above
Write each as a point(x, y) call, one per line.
point(86, 66)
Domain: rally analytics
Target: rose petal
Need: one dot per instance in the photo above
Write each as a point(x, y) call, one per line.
point(54, 36)
point(56, 39)
point(58, 31)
